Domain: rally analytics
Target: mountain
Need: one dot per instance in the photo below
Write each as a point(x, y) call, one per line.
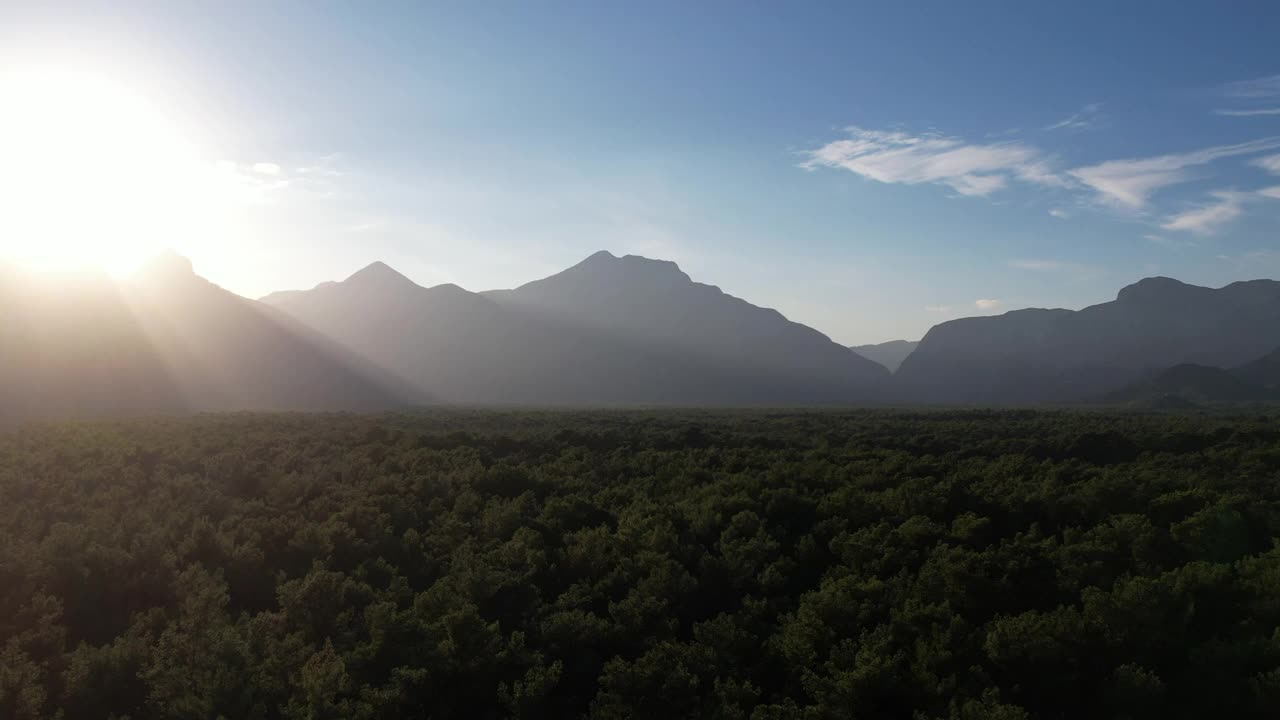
point(654, 303)
point(1189, 384)
point(1264, 371)
point(167, 341)
point(609, 330)
point(70, 345)
point(1034, 356)
point(1253, 383)
point(889, 354)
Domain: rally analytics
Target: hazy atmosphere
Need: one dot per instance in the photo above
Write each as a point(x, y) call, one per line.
point(639, 361)
point(868, 170)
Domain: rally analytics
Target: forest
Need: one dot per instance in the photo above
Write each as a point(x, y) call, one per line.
point(761, 565)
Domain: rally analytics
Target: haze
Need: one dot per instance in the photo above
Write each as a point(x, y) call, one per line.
point(868, 171)
point(639, 360)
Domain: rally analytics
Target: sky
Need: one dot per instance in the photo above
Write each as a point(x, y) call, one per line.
point(870, 169)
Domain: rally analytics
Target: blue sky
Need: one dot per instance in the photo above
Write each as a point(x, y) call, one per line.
point(868, 169)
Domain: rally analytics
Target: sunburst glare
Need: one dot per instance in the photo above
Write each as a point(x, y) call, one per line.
point(96, 174)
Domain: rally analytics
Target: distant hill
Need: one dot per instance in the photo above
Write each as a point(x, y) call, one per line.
point(1264, 371)
point(889, 354)
point(1189, 384)
point(166, 341)
point(1256, 382)
point(1033, 356)
point(608, 330)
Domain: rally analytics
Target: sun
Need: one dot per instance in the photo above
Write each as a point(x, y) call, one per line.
point(93, 174)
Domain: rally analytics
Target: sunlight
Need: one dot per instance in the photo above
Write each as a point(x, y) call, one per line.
point(94, 174)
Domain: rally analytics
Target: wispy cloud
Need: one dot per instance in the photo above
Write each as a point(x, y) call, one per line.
point(1131, 182)
point(1087, 117)
point(324, 165)
point(1228, 205)
point(247, 184)
point(1040, 265)
point(1073, 270)
point(1167, 241)
point(1208, 219)
point(1247, 113)
point(980, 169)
point(266, 168)
point(1259, 263)
point(1263, 87)
point(987, 304)
point(1270, 163)
point(367, 226)
point(1256, 92)
point(898, 157)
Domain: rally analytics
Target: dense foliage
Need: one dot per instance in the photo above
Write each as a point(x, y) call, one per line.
point(613, 565)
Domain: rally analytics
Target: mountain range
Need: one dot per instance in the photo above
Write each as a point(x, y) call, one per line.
point(889, 354)
point(1036, 356)
point(168, 342)
point(1189, 385)
point(608, 331)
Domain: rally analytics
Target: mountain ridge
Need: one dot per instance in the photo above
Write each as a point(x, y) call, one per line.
point(1049, 355)
point(608, 329)
point(889, 354)
point(167, 341)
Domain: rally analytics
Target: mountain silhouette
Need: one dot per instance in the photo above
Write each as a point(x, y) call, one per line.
point(166, 341)
point(889, 354)
point(1189, 384)
point(1265, 371)
point(1253, 383)
point(655, 303)
point(1032, 356)
point(606, 331)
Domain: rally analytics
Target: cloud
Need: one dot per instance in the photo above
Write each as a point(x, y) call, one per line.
point(978, 170)
point(266, 168)
point(1251, 92)
point(986, 304)
point(1270, 163)
point(1263, 87)
point(1088, 116)
point(1257, 263)
point(1207, 219)
point(1043, 265)
point(1167, 242)
point(244, 182)
point(365, 226)
point(1130, 183)
point(323, 165)
point(1247, 113)
point(969, 169)
point(1063, 267)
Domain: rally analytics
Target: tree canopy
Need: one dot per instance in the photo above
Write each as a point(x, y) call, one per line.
point(753, 564)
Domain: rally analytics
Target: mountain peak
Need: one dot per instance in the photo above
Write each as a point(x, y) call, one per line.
point(1153, 288)
point(629, 268)
point(166, 266)
point(378, 273)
